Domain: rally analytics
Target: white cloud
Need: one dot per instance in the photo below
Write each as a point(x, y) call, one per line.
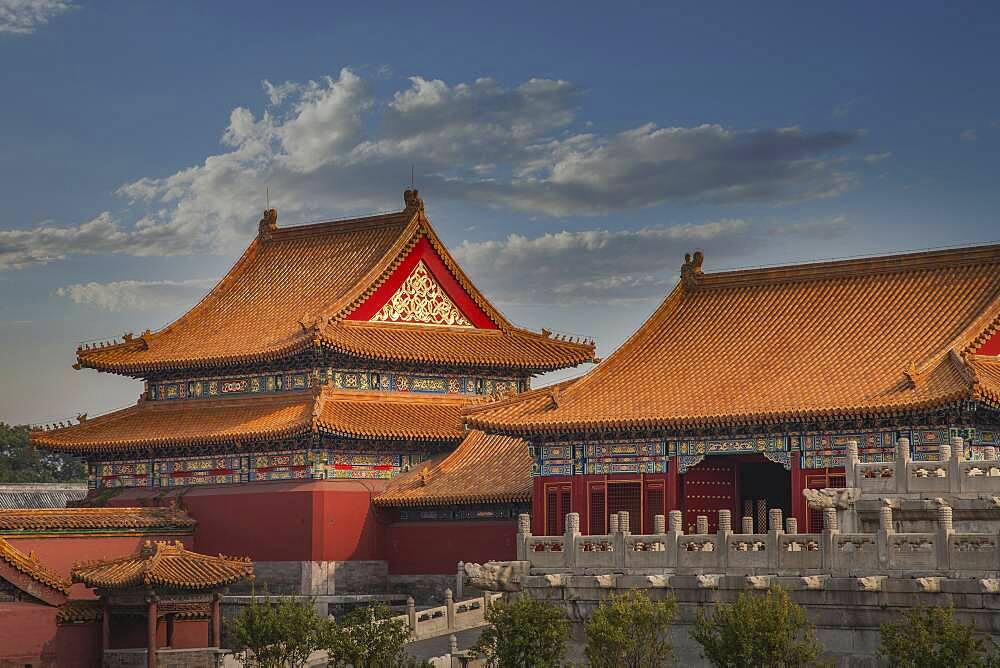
point(137, 295)
point(23, 17)
point(331, 147)
point(968, 135)
point(873, 158)
point(601, 266)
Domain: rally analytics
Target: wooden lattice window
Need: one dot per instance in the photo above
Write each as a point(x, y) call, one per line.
point(597, 523)
point(557, 504)
point(654, 506)
point(626, 496)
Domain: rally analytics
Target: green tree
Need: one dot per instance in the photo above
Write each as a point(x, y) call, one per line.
point(930, 637)
point(371, 637)
point(21, 462)
point(757, 630)
point(276, 633)
point(523, 634)
point(630, 630)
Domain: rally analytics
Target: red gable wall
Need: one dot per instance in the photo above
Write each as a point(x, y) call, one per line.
point(424, 251)
point(992, 345)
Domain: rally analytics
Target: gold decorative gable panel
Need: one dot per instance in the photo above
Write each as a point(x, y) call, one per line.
point(421, 300)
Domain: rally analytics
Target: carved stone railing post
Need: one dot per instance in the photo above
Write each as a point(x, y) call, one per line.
point(902, 464)
point(701, 525)
point(945, 530)
point(411, 615)
point(885, 529)
point(659, 524)
point(620, 538)
point(449, 604)
point(954, 464)
point(774, 516)
point(747, 525)
point(569, 539)
point(459, 579)
point(452, 648)
point(830, 530)
point(613, 523)
point(676, 524)
point(725, 531)
point(675, 529)
point(851, 465)
point(523, 536)
point(791, 526)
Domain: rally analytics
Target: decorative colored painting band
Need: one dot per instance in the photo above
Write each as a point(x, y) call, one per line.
point(828, 450)
point(256, 467)
point(341, 379)
point(601, 458)
point(729, 446)
point(508, 511)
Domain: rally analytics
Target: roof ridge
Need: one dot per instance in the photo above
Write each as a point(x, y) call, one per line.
point(876, 264)
point(337, 225)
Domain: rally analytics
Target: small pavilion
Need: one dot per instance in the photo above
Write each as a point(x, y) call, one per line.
point(162, 582)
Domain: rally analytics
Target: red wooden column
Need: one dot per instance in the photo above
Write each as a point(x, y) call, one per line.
point(106, 627)
point(798, 484)
point(673, 484)
point(215, 629)
point(151, 633)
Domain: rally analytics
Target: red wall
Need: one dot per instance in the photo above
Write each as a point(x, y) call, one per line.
point(992, 345)
point(59, 553)
point(130, 632)
point(29, 634)
point(319, 520)
point(416, 548)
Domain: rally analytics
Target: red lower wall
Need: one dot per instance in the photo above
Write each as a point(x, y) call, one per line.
point(29, 635)
point(320, 520)
point(417, 548)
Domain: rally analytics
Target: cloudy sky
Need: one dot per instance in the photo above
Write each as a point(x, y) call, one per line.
point(568, 154)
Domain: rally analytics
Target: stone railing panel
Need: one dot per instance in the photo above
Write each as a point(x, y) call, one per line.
point(912, 551)
point(982, 476)
point(699, 552)
point(800, 552)
point(876, 478)
point(854, 553)
point(597, 551)
point(925, 477)
point(653, 551)
point(546, 551)
point(747, 553)
point(973, 552)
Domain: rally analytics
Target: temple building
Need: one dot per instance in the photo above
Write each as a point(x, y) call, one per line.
point(331, 360)
point(745, 387)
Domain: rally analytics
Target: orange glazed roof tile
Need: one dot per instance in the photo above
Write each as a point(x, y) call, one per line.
point(30, 565)
point(872, 336)
point(292, 288)
point(483, 469)
point(48, 520)
point(235, 421)
point(164, 564)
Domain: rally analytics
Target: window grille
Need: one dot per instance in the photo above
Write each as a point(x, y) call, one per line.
point(654, 506)
point(626, 496)
point(557, 504)
point(598, 513)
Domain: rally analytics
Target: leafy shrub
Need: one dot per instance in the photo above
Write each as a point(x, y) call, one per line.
point(629, 630)
point(523, 634)
point(368, 638)
point(930, 637)
point(757, 630)
point(276, 633)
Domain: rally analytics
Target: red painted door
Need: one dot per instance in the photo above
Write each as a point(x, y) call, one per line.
point(708, 488)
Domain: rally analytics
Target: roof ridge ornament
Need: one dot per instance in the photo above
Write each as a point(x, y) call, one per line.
point(268, 224)
point(411, 198)
point(691, 269)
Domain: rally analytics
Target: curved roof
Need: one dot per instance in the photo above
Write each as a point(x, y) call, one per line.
point(874, 337)
point(483, 469)
point(54, 520)
point(292, 288)
point(164, 564)
point(167, 423)
point(30, 566)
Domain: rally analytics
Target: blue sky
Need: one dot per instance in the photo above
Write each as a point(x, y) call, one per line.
point(569, 154)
